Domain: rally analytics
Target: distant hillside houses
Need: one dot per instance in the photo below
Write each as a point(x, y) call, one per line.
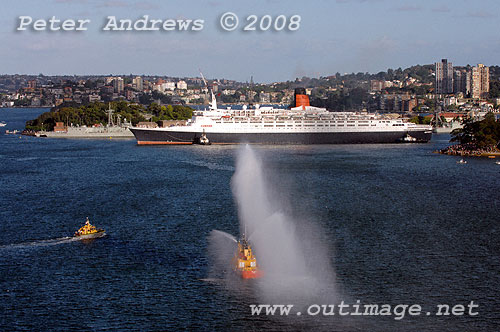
point(419, 89)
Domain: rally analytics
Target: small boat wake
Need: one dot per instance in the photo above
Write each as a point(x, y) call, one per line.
point(39, 243)
point(86, 232)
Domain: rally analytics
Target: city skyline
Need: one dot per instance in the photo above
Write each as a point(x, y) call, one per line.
point(335, 36)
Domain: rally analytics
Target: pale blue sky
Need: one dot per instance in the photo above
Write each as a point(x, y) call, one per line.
point(335, 36)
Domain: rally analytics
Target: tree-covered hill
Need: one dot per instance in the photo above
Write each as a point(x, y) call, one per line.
point(95, 113)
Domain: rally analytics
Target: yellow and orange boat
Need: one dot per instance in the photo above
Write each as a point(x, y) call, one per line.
point(89, 231)
point(244, 261)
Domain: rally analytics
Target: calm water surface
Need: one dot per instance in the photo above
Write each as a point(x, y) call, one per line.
point(403, 226)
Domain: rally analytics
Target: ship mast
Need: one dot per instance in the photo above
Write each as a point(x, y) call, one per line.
point(110, 115)
point(213, 104)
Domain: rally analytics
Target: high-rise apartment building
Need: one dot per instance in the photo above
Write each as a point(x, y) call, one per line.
point(480, 82)
point(118, 84)
point(137, 83)
point(462, 81)
point(444, 77)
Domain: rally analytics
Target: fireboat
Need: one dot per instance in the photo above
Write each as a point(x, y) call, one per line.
point(89, 231)
point(244, 261)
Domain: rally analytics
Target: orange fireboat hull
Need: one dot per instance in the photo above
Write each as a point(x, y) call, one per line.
point(251, 274)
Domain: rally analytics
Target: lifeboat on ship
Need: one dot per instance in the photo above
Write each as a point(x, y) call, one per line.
point(245, 263)
point(89, 231)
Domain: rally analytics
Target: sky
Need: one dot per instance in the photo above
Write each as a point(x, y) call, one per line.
point(334, 36)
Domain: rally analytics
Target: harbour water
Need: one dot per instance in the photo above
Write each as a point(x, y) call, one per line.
point(400, 225)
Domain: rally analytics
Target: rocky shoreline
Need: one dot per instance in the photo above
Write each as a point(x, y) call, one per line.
point(470, 150)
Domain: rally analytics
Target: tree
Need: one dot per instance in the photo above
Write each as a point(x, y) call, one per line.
point(90, 84)
point(169, 112)
point(494, 89)
point(154, 109)
point(165, 99)
point(478, 134)
point(87, 115)
point(145, 99)
point(465, 134)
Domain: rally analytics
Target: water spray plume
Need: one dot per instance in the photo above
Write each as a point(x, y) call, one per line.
point(226, 235)
point(296, 266)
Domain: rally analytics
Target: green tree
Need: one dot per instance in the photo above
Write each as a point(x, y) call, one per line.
point(88, 115)
point(494, 89)
point(478, 134)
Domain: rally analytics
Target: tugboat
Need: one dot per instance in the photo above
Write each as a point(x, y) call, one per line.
point(245, 263)
point(408, 139)
point(203, 140)
point(89, 231)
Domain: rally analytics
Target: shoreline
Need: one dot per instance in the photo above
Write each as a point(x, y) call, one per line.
point(458, 150)
point(470, 154)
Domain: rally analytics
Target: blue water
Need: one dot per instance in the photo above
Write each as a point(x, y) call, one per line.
point(403, 225)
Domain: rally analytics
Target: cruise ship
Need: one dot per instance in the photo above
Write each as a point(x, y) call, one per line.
point(302, 124)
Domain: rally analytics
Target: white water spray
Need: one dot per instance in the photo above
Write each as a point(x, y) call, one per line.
point(296, 266)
